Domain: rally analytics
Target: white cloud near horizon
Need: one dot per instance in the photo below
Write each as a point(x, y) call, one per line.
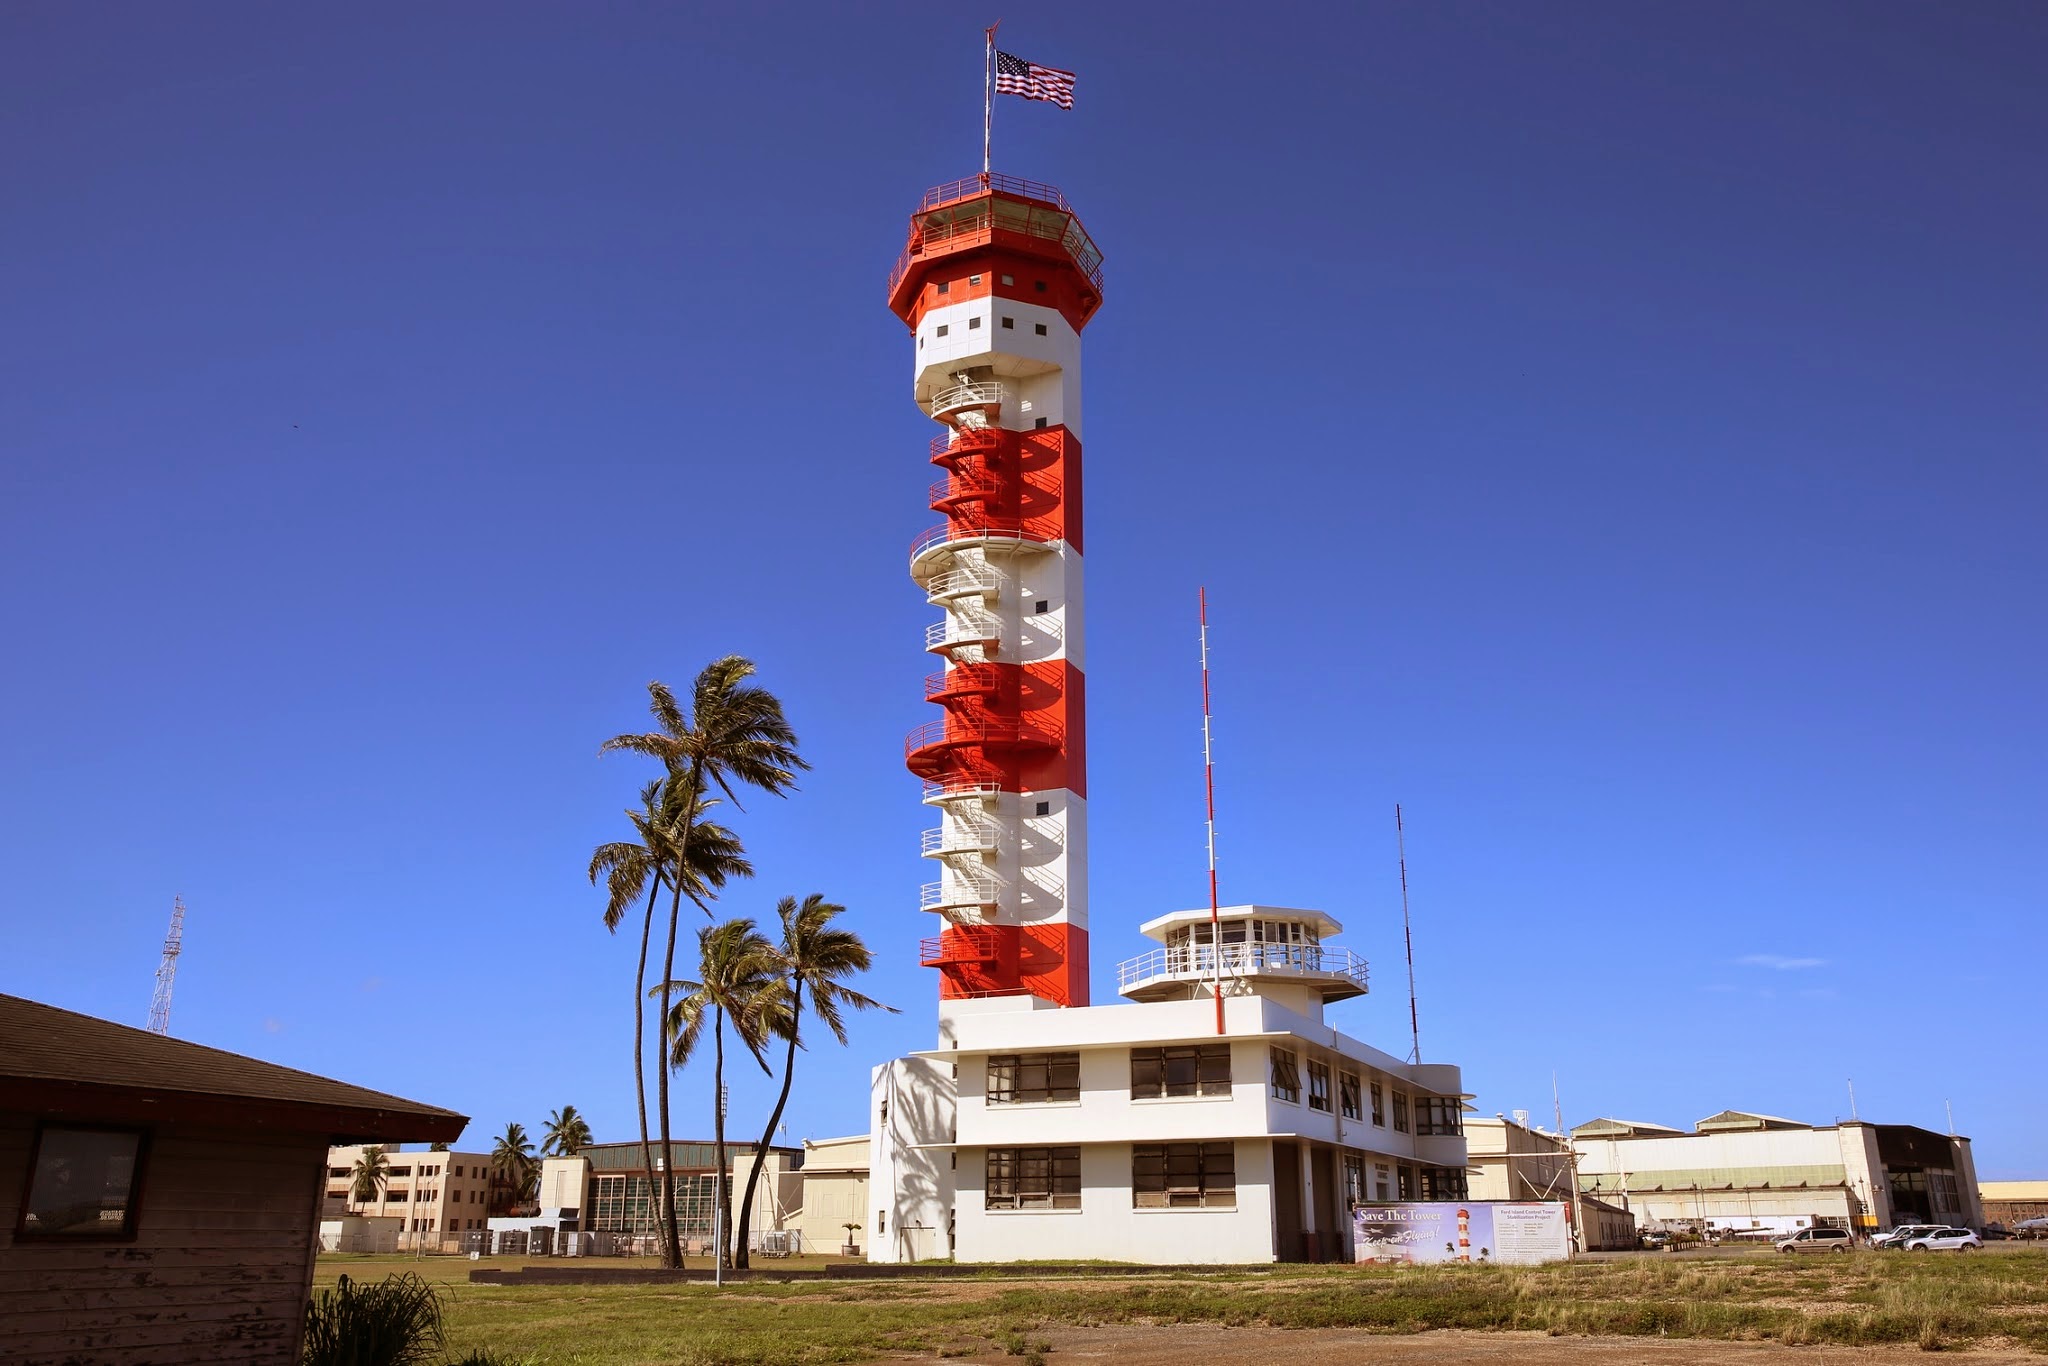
point(1778, 962)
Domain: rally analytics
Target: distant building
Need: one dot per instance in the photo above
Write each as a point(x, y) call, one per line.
point(616, 1192)
point(2008, 1202)
point(158, 1199)
point(1508, 1160)
point(835, 1193)
point(1739, 1170)
point(434, 1196)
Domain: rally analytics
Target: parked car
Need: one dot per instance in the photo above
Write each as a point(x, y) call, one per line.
point(1817, 1240)
point(1898, 1236)
point(1945, 1240)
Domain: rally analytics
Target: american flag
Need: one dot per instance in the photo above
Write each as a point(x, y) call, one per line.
point(1015, 76)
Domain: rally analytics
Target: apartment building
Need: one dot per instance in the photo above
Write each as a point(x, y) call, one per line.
point(440, 1193)
point(1215, 1118)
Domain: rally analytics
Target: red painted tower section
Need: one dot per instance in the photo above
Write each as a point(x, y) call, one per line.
point(996, 283)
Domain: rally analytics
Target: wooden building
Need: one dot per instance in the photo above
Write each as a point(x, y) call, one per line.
point(158, 1200)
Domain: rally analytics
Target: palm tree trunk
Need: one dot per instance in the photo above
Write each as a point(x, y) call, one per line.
point(796, 1014)
point(640, 1034)
point(724, 1190)
point(672, 1237)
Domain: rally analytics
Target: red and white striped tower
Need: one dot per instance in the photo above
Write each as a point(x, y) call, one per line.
point(996, 283)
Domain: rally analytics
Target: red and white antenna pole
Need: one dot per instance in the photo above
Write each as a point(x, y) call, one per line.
point(1209, 785)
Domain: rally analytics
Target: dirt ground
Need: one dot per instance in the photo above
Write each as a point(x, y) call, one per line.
point(1178, 1344)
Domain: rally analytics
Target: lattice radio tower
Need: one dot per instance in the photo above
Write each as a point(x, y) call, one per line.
point(167, 970)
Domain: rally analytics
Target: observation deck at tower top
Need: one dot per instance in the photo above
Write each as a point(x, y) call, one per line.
point(1025, 216)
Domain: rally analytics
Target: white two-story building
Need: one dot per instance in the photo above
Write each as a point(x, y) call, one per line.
point(1164, 1130)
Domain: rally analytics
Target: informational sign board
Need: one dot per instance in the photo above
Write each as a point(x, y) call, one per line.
point(1516, 1233)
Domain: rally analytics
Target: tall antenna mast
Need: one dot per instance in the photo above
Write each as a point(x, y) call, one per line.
point(167, 970)
point(1209, 786)
point(1407, 934)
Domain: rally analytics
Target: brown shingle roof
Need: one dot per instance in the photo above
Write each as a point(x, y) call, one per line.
point(64, 1062)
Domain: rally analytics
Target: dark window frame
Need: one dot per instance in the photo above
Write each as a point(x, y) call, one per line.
point(1050, 1064)
point(1349, 1091)
point(1035, 1178)
point(1201, 1078)
point(1318, 1085)
point(137, 1184)
point(1184, 1175)
point(1284, 1074)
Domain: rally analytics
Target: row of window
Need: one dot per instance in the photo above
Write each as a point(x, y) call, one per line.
point(974, 325)
point(339, 1172)
point(1187, 1176)
point(1163, 1176)
point(946, 286)
point(1204, 1070)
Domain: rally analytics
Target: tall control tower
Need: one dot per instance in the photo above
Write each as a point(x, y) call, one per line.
point(996, 283)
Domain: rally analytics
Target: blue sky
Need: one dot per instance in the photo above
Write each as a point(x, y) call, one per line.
point(1613, 432)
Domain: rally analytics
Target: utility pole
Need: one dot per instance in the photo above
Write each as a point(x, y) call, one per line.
point(167, 970)
point(1572, 1149)
point(1408, 936)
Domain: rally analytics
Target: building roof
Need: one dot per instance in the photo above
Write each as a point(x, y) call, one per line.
point(1623, 1128)
point(2013, 1190)
point(1745, 1119)
point(1156, 928)
point(59, 1062)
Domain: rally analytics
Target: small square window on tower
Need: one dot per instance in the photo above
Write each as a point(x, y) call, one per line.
point(1041, 329)
point(1039, 285)
point(945, 286)
point(944, 329)
point(1009, 322)
point(973, 324)
point(1040, 422)
point(1009, 279)
point(1042, 607)
point(974, 279)
point(1044, 809)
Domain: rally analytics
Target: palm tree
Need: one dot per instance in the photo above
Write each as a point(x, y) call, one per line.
point(372, 1169)
point(739, 983)
point(437, 1146)
point(567, 1132)
point(714, 856)
point(512, 1162)
point(815, 957)
point(737, 735)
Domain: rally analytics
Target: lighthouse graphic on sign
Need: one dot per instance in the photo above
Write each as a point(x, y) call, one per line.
point(996, 283)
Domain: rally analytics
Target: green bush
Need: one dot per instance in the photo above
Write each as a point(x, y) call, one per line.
point(394, 1323)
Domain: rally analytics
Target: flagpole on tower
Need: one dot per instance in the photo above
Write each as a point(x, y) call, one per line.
point(988, 95)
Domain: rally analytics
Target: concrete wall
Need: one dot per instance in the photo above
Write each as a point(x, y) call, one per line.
point(911, 1110)
point(218, 1271)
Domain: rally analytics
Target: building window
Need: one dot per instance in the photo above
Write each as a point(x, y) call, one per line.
point(1379, 1105)
point(1033, 1078)
point(1040, 284)
point(1439, 1115)
point(974, 279)
point(399, 1171)
point(1286, 1076)
point(1180, 1070)
point(1040, 424)
point(1400, 1113)
point(1347, 1095)
point(945, 286)
point(1443, 1183)
point(83, 1183)
point(1040, 329)
point(881, 1221)
point(973, 324)
point(1383, 1181)
point(1319, 1087)
point(338, 1171)
point(1184, 1176)
point(1043, 809)
point(1009, 279)
point(1034, 1178)
point(944, 328)
point(1042, 606)
point(1407, 1183)
point(1354, 1179)
point(1010, 323)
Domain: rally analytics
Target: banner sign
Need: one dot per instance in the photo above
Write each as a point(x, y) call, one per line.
point(1516, 1233)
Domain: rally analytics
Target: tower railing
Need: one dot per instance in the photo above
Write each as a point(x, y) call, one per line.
point(1003, 731)
point(961, 682)
point(959, 892)
point(960, 789)
point(963, 836)
point(966, 944)
point(947, 532)
point(968, 186)
point(964, 579)
point(984, 394)
point(1305, 960)
point(963, 628)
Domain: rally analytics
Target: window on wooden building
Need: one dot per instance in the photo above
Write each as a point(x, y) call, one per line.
point(83, 1183)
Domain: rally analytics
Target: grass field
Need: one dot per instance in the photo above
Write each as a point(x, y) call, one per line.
point(1933, 1301)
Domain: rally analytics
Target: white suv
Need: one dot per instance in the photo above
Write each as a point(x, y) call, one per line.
point(1817, 1240)
point(1898, 1236)
point(1945, 1240)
